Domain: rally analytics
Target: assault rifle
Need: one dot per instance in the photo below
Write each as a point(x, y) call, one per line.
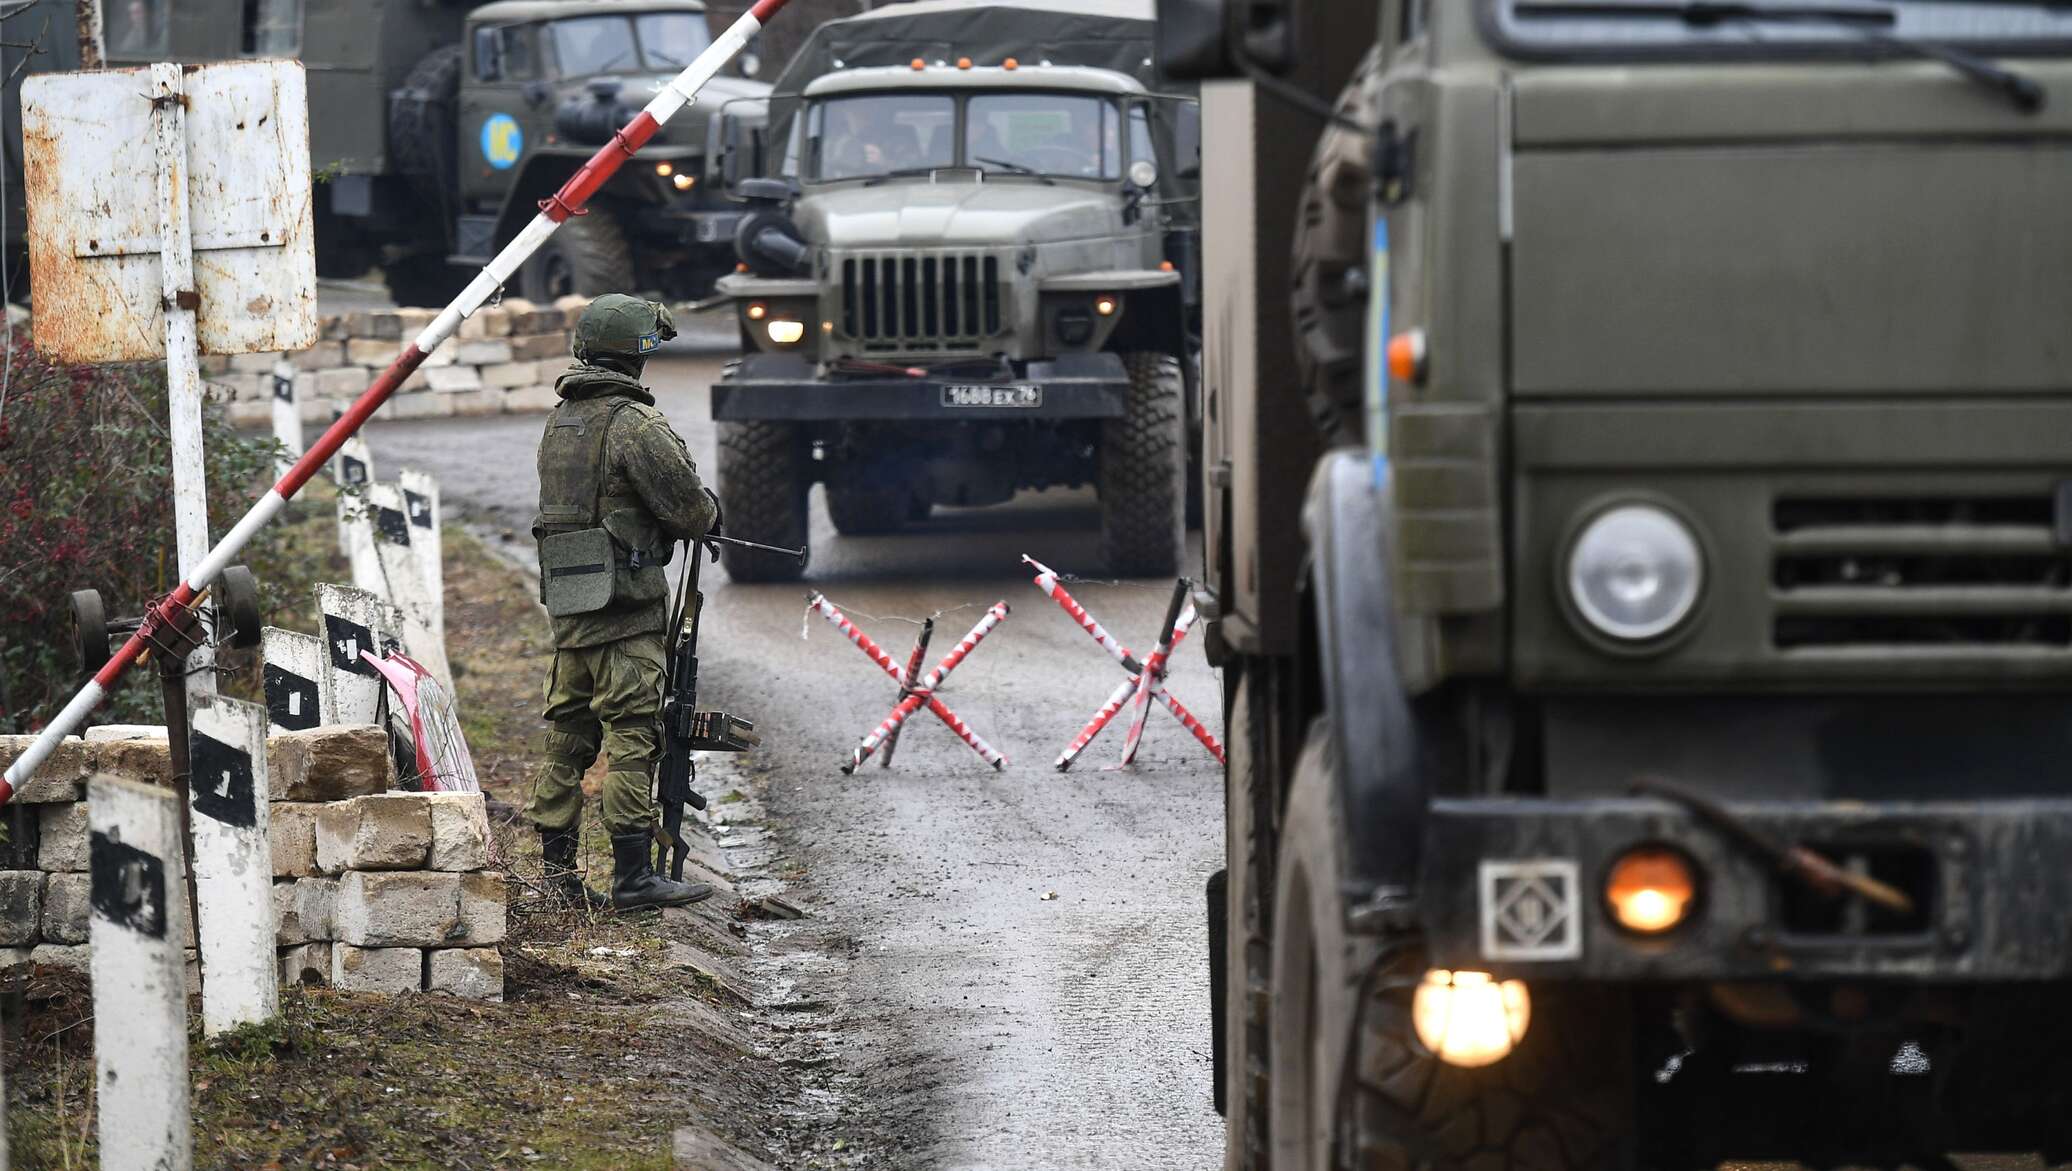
point(685, 729)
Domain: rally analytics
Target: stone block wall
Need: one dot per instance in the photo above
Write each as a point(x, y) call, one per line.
point(373, 890)
point(505, 359)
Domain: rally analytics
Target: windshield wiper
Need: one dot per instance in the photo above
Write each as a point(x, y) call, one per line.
point(1015, 168)
point(1863, 21)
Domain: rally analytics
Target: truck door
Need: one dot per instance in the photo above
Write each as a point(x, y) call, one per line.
point(504, 109)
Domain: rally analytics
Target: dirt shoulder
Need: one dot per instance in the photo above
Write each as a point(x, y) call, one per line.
point(616, 1034)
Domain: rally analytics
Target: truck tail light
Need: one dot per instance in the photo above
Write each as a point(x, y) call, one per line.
point(1406, 355)
point(1650, 890)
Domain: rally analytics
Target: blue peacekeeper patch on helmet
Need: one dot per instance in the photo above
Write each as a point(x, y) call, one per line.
point(503, 140)
point(650, 342)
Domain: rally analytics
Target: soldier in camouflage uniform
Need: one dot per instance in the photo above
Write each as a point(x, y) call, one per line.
point(617, 491)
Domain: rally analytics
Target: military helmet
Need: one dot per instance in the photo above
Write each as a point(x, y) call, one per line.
point(618, 326)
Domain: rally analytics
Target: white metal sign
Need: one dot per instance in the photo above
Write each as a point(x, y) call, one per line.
point(95, 227)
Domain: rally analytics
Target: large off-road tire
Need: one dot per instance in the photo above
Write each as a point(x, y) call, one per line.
point(1143, 470)
point(423, 127)
point(1563, 1100)
point(763, 476)
point(424, 281)
point(589, 256)
point(861, 508)
point(1332, 253)
point(1250, 813)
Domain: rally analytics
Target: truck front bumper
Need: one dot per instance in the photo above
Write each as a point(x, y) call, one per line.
point(784, 387)
point(1517, 887)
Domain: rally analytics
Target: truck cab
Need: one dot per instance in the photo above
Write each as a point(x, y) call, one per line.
point(967, 279)
point(1644, 749)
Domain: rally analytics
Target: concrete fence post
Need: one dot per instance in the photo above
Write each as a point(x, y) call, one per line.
point(140, 990)
point(292, 663)
point(354, 621)
point(397, 558)
point(421, 503)
point(287, 417)
point(233, 865)
point(352, 471)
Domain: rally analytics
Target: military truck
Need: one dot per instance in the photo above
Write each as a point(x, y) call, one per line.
point(970, 274)
point(435, 129)
point(1647, 728)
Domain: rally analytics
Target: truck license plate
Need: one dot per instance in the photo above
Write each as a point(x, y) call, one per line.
point(1019, 395)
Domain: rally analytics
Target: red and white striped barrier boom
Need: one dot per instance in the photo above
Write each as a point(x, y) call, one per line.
point(172, 612)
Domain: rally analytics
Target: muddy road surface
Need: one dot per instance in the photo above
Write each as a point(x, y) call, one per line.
point(1021, 975)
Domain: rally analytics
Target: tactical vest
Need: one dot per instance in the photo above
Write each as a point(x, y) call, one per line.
point(597, 552)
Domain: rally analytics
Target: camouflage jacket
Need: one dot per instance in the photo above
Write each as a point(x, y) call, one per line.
point(651, 496)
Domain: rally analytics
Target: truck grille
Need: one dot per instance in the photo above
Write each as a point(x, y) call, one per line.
point(929, 302)
point(1955, 572)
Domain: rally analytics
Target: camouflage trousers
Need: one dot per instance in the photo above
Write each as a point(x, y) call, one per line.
point(607, 696)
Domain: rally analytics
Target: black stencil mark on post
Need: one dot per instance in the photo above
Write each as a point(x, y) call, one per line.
point(291, 700)
point(347, 639)
point(127, 886)
point(419, 506)
point(352, 471)
point(284, 389)
point(221, 781)
point(391, 526)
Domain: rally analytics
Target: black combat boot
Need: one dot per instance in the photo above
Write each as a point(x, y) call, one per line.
point(635, 885)
point(558, 848)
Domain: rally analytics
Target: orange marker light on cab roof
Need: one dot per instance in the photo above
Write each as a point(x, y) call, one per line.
point(1010, 63)
point(963, 62)
point(1406, 356)
point(1165, 266)
point(917, 63)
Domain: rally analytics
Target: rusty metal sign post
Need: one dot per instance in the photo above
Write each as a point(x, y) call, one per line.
point(211, 248)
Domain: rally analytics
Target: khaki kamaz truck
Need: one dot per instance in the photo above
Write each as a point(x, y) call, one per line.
point(969, 272)
point(1639, 526)
point(436, 127)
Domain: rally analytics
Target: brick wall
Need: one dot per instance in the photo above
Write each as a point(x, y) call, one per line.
point(505, 359)
point(373, 890)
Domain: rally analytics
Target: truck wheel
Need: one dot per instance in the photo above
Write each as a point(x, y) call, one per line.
point(1331, 264)
point(762, 484)
point(424, 128)
point(1563, 1100)
point(862, 509)
point(1248, 975)
point(424, 281)
point(1143, 471)
point(588, 257)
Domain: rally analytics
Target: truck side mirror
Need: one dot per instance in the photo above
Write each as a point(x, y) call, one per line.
point(734, 139)
point(1207, 40)
point(489, 64)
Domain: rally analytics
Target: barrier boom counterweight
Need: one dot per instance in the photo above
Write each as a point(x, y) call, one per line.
point(173, 610)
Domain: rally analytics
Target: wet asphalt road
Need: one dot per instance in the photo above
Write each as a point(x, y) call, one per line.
point(1027, 987)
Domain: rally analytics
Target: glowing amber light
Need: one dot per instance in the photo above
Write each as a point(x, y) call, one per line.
point(917, 63)
point(684, 182)
point(757, 310)
point(1105, 306)
point(1469, 1019)
point(1406, 354)
point(1010, 63)
point(1650, 890)
point(963, 62)
point(1165, 266)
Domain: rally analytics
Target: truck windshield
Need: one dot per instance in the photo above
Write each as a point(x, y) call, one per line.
point(1047, 133)
point(1064, 134)
point(669, 40)
point(593, 44)
point(856, 138)
point(1783, 28)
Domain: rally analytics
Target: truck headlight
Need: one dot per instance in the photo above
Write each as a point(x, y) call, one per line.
point(785, 333)
point(1634, 572)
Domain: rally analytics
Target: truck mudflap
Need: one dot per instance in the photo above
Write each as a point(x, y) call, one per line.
point(1516, 887)
point(789, 388)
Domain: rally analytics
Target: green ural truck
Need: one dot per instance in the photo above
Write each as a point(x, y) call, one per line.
point(1650, 730)
point(436, 130)
point(970, 274)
